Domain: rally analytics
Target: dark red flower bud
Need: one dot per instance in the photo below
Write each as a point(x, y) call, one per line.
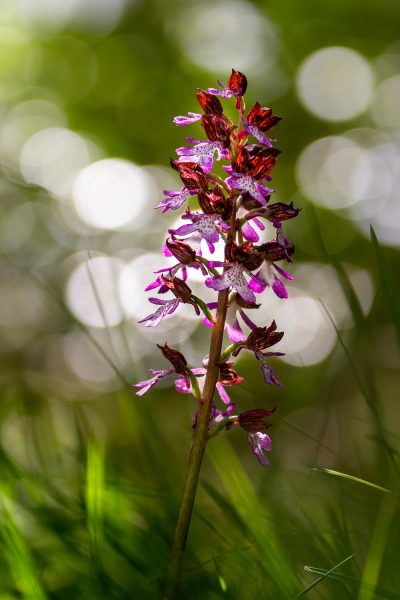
point(281, 211)
point(256, 161)
point(191, 174)
point(273, 251)
point(244, 254)
point(244, 304)
point(184, 253)
point(181, 290)
point(214, 202)
point(254, 420)
point(262, 118)
point(228, 376)
point(237, 83)
point(209, 103)
point(263, 337)
point(217, 128)
point(177, 360)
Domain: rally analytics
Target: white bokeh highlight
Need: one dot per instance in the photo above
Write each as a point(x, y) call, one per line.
point(335, 83)
point(92, 292)
point(386, 104)
point(52, 158)
point(336, 172)
point(217, 35)
point(98, 15)
point(134, 278)
point(113, 193)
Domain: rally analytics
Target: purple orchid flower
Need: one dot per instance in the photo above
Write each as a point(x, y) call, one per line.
point(233, 277)
point(179, 365)
point(204, 224)
point(180, 386)
point(167, 307)
point(145, 386)
point(232, 325)
point(248, 231)
point(227, 378)
point(202, 153)
point(191, 118)
point(246, 183)
point(266, 277)
point(237, 86)
point(260, 443)
point(259, 339)
point(257, 133)
point(174, 199)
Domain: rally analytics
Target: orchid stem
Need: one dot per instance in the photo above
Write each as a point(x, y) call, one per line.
point(200, 438)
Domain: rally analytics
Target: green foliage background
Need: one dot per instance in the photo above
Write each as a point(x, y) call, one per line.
point(90, 477)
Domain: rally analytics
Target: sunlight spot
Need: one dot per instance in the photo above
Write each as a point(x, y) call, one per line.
point(84, 360)
point(21, 122)
point(209, 34)
point(336, 172)
point(98, 15)
point(91, 292)
point(308, 340)
point(16, 227)
point(335, 83)
point(112, 194)
point(386, 105)
point(52, 158)
point(135, 276)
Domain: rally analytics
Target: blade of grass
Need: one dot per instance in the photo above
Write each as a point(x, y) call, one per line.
point(95, 499)
point(96, 294)
point(377, 547)
point(342, 577)
point(18, 555)
point(369, 397)
point(350, 477)
point(253, 512)
point(317, 581)
point(344, 280)
point(387, 283)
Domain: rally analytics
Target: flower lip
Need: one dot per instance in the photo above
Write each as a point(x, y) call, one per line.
point(259, 443)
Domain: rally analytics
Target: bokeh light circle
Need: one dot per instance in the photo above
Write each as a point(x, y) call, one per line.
point(52, 159)
point(309, 335)
point(216, 35)
point(112, 193)
point(91, 292)
point(335, 83)
point(336, 172)
point(386, 105)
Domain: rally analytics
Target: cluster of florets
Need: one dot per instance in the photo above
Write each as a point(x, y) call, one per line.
point(232, 209)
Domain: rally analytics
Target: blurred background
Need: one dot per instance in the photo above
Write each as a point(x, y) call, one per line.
point(90, 474)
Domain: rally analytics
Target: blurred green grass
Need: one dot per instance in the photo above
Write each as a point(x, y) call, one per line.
point(90, 475)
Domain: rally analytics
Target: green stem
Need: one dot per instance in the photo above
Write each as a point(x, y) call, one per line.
point(199, 442)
